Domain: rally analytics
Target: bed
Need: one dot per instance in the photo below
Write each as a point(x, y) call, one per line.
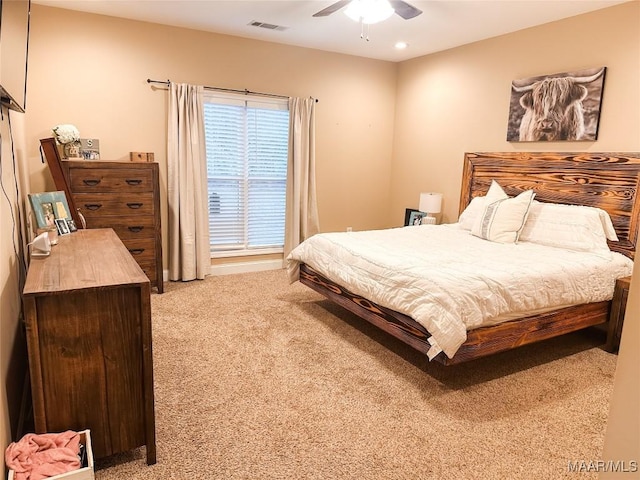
point(607, 181)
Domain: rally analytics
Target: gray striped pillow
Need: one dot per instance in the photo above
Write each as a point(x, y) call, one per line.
point(503, 217)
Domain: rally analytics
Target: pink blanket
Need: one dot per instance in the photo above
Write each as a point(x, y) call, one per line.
point(38, 456)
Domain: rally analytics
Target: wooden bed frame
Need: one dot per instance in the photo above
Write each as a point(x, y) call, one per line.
point(606, 180)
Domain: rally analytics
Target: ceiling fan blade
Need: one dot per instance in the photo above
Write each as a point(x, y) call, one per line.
point(332, 8)
point(405, 10)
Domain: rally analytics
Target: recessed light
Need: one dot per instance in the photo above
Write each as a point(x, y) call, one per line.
point(401, 45)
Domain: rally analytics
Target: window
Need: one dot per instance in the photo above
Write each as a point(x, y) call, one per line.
point(247, 140)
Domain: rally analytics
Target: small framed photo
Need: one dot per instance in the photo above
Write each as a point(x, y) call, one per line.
point(63, 228)
point(72, 225)
point(90, 148)
point(407, 215)
point(415, 218)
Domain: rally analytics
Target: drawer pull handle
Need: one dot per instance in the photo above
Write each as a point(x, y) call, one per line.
point(133, 181)
point(91, 182)
point(135, 229)
point(136, 251)
point(93, 206)
point(135, 206)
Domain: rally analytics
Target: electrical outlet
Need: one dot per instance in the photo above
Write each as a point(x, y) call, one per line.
point(349, 229)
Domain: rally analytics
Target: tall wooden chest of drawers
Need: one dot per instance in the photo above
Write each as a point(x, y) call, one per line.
point(124, 196)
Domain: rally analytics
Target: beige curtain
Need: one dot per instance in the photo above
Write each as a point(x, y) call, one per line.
point(301, 215)
point(189, 256)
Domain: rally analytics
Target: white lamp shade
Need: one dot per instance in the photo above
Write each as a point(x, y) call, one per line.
point(369, 11)
point(430, 202)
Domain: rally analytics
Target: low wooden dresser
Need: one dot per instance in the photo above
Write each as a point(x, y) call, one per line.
point(124, 196)
point(88, 322)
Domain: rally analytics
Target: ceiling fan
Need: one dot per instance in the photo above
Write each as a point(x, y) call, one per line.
point(401, 8)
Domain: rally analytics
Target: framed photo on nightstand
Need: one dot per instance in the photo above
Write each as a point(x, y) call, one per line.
point(416, 218)
point(413, 217)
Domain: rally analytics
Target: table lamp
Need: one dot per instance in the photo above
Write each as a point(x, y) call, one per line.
point(430, 203)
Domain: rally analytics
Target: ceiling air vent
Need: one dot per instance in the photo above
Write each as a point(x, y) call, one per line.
point(268, 26)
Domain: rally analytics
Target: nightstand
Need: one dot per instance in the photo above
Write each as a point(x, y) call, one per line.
point(616, 316)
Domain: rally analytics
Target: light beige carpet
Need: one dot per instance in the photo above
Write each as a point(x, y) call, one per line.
point(259, 379)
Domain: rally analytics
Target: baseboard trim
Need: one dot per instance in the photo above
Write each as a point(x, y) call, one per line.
point(245, 267)
point(239, 267)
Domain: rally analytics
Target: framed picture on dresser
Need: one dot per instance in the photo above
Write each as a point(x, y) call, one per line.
point(51, 155)
point(90, 148)
point(48, 207)
point(63, 228)
point(72, 225)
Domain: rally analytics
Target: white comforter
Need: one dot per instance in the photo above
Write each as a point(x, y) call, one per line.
point(450, 281)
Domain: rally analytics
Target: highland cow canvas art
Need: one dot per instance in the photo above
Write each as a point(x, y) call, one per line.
point(557, 107)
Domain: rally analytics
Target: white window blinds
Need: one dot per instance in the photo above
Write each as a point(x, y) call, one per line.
point(246, 145)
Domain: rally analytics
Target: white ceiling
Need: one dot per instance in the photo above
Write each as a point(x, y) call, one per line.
point(443, 24)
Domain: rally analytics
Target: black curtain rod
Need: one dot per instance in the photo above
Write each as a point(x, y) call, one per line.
point(232, 90)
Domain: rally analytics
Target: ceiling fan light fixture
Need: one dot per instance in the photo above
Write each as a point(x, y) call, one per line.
point(369, 11)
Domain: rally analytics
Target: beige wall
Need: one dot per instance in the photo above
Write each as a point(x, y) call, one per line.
point(458, 100)
point(91, 71)
point(385, 132)
point(13, 362)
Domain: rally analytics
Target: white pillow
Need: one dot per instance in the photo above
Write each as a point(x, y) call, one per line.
point(503, 218)
point(607, 224)
point(574, 227)
point(471, 212)
point(475, 209)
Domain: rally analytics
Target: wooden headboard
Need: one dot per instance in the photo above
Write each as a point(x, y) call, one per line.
point(606, 180)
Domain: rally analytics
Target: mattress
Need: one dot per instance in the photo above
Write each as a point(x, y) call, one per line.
point(450, 281)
